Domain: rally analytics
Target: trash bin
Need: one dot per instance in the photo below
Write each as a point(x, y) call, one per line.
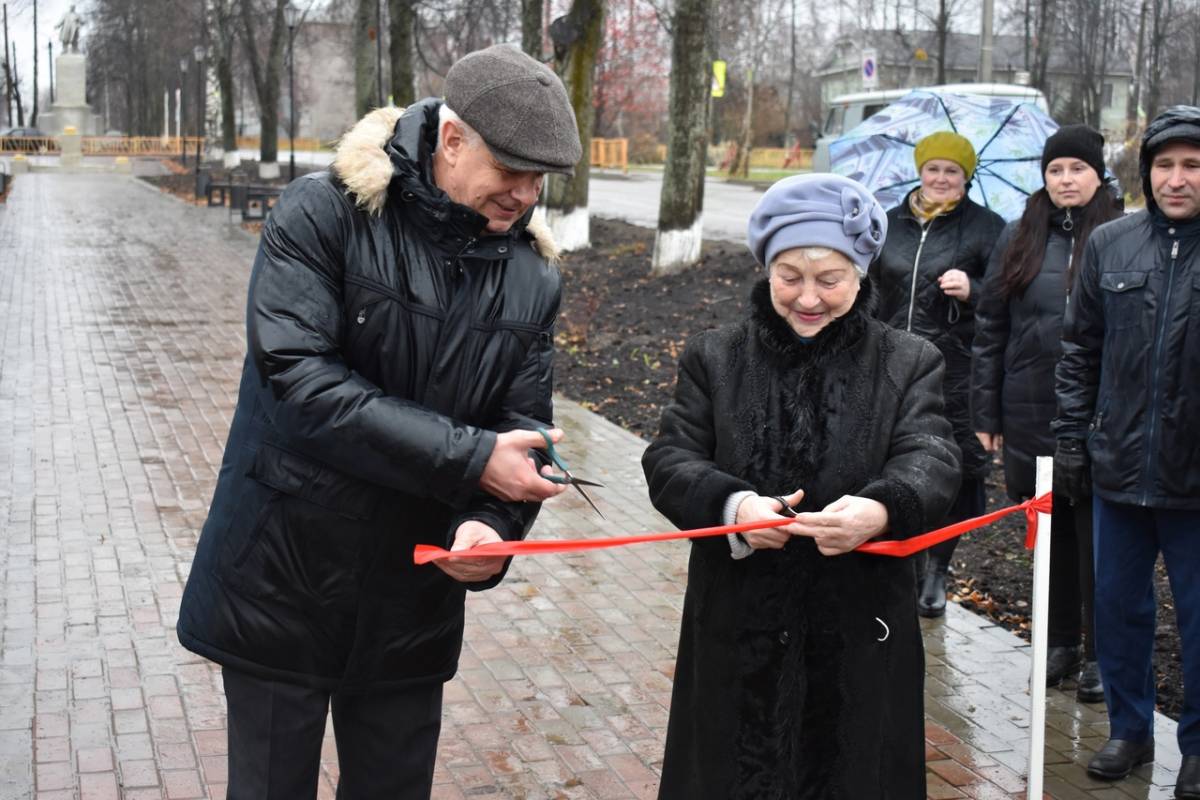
point(203, 180)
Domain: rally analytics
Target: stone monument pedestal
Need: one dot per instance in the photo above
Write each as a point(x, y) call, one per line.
point(70, 108)
point(71, 144)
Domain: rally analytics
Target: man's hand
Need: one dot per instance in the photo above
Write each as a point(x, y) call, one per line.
point(844, 524)
point(472, 570)
point(756, 508)
point(512, 475)
point(955, 283)
point(992, 442)
point(1072, 471)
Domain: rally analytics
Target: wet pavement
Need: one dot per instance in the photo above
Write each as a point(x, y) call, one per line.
point(121, 343)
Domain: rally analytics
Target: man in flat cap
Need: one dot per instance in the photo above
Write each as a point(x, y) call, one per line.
point(400, 336)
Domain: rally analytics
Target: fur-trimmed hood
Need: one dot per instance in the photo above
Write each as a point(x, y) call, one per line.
point(395, 145)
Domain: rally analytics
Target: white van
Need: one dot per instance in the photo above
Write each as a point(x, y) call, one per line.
point(848, 110)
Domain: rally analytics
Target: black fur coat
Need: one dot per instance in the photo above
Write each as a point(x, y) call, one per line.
point(800, 675)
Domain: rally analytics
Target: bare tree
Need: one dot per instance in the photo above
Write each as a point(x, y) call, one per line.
point(266, 68)
point(225, 39)
point(681, 204)
point(577, 40)
point(1161, 28)
point(365, 91)
point(531, 27)
point(401, 23)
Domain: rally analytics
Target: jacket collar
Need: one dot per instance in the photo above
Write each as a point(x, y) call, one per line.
point(387, 156)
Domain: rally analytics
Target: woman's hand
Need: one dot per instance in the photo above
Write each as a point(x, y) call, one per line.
point(955, 283)
point(992, 442)
point(756, 508)
point(843, 525)
point(472, 570)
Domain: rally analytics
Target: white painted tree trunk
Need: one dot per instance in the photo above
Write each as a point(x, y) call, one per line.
point(570, 230)
point(675, 251)
point(232, 159)
point(268, 170)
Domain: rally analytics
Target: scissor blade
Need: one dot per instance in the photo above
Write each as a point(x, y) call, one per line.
point(579, 489)
point(582, 482)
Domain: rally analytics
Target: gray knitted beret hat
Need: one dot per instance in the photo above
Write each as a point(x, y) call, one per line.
point(519, 106)
point(821, 210)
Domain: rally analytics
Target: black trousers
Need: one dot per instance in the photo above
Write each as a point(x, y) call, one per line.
point(971, 501)
point(386, 741)
point(1072, 577)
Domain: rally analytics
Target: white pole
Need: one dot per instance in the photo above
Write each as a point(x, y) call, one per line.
point(1041, 614)
point(178, 117)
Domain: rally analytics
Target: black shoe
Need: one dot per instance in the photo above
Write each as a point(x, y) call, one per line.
point(1187, 785)
point(931, 594)
point(1118, 757)
point(1091, 687)
point(1061, 662)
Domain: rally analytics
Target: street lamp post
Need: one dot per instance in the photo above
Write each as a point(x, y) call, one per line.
point(291, 16)
point(198, 52)
point(183, 65)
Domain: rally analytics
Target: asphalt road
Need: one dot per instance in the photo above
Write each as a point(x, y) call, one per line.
point(634, 198)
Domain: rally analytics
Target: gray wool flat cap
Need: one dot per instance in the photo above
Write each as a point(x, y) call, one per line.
point(519, 106)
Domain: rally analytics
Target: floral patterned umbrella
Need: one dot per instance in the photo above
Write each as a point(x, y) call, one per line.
point(1008, 137)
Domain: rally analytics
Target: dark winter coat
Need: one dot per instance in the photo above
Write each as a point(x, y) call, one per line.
point(1017, 344)
point(916, 255)
point(800, 675)
point(388, 343)
point(1129, 379)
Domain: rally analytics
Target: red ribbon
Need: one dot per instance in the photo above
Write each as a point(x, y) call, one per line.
point(424, 553)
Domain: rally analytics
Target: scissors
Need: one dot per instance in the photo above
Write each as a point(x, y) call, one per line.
point(567, 477)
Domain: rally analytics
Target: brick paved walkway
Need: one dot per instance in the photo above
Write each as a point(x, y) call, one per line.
point(120, 347)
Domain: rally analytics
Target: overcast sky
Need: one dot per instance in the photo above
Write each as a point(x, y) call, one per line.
point(20, 30)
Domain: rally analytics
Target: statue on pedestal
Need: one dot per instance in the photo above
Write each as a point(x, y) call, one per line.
point(68, 30)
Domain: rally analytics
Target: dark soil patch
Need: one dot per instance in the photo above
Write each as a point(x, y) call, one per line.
point(619, 337)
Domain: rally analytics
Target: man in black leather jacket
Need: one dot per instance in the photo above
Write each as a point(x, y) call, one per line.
point(400, 336)
point(1128, 388)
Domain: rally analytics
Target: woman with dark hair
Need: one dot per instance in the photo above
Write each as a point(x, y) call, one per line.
point(1018, 333)
point(929, 276)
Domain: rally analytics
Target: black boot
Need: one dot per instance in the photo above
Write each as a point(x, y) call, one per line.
point(1061, 662)
point(1091, 687)
point(1118, 757)
point(931, 591)
point(1187, 785)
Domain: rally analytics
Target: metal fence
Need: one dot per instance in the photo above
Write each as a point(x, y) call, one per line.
point(106, 145)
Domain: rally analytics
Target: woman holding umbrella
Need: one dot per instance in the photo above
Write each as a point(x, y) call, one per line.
point(1018, 333)
point(929, 276)
point(800, 662)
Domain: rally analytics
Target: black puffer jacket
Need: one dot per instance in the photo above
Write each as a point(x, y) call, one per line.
point(1017, 344)
point(907, 271)
point(386, 350)
point(799, 675)
point(1129, 378)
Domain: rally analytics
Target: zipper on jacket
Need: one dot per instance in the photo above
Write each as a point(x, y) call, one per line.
point(1156, 373)
point(912, 292)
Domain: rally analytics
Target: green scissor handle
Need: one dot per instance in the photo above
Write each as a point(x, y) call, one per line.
point(557, 459)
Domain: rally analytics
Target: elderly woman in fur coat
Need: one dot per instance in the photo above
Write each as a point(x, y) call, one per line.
point(800, 663)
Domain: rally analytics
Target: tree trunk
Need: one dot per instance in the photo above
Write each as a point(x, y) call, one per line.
point(741, 161)
point(34, 115)
point(226, 36)
point(1158, 43)
point(531, 27)
point(577, 40)
point(681, 204)
point(942, 33)
point(401, 19)
point(1139, 69)
point(1045, 35)
point(788, 133)
point(364, 57)
point(266, 82)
